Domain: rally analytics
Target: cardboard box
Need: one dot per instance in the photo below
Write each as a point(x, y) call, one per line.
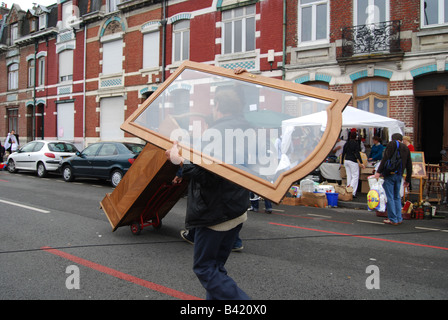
point(345, 193)
point(314, 199)
point(365, 188)
point(292, 201)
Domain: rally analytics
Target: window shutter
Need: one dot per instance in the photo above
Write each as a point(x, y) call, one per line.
point(112, 57)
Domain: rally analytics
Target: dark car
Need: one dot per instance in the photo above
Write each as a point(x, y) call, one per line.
point(102, 160)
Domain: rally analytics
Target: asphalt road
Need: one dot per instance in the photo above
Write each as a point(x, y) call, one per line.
point(56, 243)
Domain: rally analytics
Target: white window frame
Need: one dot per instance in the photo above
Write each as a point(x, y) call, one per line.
point(67, 75)
point(31, 73)
point(441, 15)
point(33, 24)
point(67, 13)
point(184, 34)
point(112, 5)
point(314, 22)
point(371, 3)
point(231, 21)
point(112, 62)
point(151, 49)
point(41, 71)
point(13, 76)
point(14, 33)
point(42, 21)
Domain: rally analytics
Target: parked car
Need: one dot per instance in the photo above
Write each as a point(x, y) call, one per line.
point(103, 160)
point(41, 156)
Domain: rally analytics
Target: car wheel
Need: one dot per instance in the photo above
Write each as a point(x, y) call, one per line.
point(41, 170)
point(12, 166)
point(67, 174)
point(116, 177)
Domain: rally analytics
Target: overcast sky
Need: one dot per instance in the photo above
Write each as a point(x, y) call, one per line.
point(27, 4)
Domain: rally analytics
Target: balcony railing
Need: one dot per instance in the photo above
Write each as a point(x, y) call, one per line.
point(383, 37)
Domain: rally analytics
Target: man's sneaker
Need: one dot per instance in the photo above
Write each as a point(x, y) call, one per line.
point(252, 209)
point(184, 234)
point(236, 249)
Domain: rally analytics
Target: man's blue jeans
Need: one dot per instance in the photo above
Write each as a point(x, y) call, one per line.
point(211, 250)
point(391, 187)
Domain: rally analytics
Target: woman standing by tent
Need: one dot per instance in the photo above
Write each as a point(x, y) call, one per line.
point(350, 156)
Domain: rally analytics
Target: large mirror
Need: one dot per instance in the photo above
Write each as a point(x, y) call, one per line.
point(244, 127)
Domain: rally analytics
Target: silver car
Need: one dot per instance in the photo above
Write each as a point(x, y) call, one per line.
point(41, 156)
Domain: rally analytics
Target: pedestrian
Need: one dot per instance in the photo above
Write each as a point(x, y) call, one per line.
point(407, 141)
point(11, 142)
point(2, 152)
point(254, 203)
point(338, 147)
point(216, 207)
point(393, 180)
point(376, 152)
point(350, 157)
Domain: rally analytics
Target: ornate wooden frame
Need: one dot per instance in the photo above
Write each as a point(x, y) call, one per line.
point(273, 191)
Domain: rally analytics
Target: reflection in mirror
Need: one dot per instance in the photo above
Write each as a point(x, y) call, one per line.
point(255, 128)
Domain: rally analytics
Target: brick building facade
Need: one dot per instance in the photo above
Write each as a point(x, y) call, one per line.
point(95, 61)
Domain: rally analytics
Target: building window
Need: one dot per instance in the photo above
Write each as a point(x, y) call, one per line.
point(151, 46)
point(67, 13)
point(112, 5)
point(42, 21)
point(13, 76)
point(31, 73)
point(313, 22)
point(66, 65)
point(112, 57)
point(372, 95)
point(370, 11)
point(41, 72)
point(313, 105)
point(181, 40)
point(434, 12)
point(239, 29)
point(13, 119)
point(14, 33)
point(33, 25)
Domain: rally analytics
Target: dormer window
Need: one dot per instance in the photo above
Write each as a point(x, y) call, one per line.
point(112, 5)
point(32, 25)
point(42, 21)
point(14, 32)
point(67, 13)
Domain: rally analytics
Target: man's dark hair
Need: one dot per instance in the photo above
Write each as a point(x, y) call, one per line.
point(397, 136)
point(228, 102)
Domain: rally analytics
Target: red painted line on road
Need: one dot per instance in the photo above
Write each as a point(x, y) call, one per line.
point(312, 218)
point(121, 275)
point(4, 180)
point(363, 237)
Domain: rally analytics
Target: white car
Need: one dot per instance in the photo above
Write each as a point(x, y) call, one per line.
point(41, 156)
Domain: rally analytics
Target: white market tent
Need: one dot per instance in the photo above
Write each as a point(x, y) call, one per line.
point(351, 118)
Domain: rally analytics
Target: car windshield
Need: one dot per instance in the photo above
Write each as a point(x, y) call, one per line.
point(133, 147)
point(62, 147)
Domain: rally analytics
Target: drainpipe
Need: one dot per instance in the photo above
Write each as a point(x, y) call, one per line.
point(33, 117)
point(163, 39)
point(84, 90)
point(284, 40)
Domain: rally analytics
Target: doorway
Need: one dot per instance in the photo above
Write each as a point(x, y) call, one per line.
point(432, 127)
